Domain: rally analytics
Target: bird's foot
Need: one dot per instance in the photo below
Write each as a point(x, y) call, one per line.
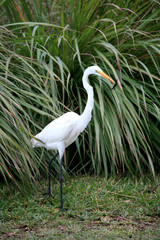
point(63, 210)
point(47, 194)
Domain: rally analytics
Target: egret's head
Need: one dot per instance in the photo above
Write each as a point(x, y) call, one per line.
point(98, 71)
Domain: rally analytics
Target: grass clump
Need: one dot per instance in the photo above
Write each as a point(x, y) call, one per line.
point(43, 53)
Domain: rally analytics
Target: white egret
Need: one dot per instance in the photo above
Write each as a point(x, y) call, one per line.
point(64, 130)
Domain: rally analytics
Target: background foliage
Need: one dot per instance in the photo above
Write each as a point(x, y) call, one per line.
point(45, 47)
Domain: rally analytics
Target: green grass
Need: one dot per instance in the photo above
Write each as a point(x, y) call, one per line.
point(118, 208)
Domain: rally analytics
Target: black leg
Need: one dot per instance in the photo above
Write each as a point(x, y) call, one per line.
point(61, 192)
point(49, 184)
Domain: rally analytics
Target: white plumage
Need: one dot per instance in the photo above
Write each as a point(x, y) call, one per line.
point(63, 131)
point(59, 133)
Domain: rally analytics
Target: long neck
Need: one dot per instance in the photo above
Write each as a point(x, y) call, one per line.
point(90, 101)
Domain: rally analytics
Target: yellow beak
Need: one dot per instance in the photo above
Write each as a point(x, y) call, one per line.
point(106, 76)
